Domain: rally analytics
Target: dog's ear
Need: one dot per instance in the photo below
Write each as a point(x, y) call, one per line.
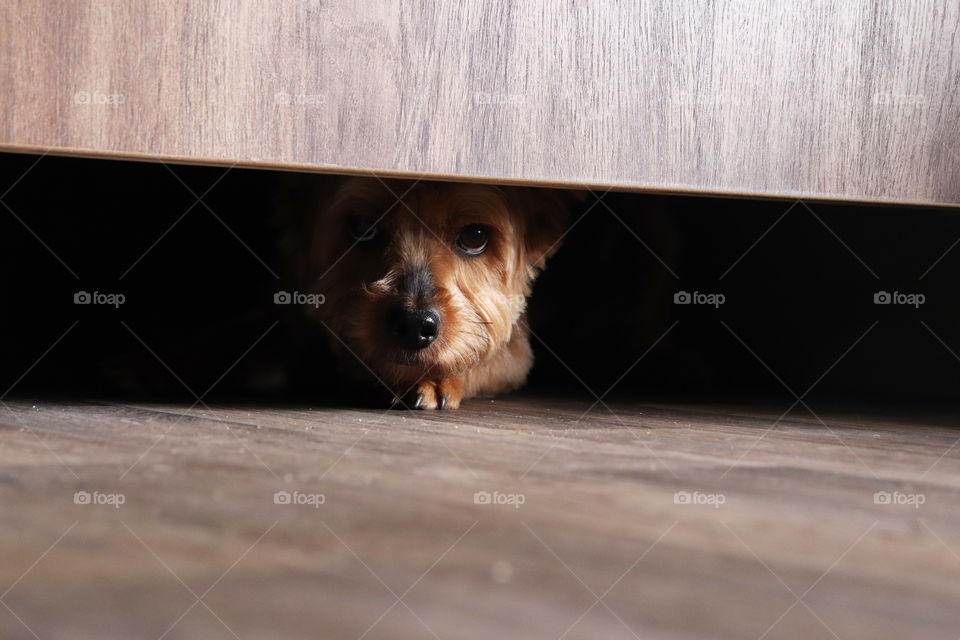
point(546, 215)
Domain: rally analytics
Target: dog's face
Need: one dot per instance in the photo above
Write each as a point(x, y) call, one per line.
point(429, 278)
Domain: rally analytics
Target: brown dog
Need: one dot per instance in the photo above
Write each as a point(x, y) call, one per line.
point(425, 283)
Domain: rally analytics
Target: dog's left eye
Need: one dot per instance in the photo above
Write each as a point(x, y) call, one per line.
point(362, 229)
point(472, 239)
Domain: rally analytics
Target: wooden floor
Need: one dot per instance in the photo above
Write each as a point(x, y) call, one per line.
point(782, 536)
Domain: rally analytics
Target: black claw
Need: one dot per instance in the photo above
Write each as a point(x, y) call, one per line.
point(394, 402)
point(418, 401)
point(443, 402)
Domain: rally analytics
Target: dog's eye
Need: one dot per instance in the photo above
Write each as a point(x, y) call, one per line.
point(472, 239)
point(362, 229)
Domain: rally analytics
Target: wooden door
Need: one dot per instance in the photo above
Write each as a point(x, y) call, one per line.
point(842, 99)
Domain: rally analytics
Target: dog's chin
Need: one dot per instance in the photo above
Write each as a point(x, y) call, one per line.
point(404, 358)
point(415, 365)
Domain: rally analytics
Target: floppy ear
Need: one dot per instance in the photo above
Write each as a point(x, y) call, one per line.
point(546, 216)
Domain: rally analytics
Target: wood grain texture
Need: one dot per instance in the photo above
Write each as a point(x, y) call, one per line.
point(599, 518)
point(842, 99)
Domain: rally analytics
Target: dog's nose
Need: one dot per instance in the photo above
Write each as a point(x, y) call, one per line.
point(414, 329)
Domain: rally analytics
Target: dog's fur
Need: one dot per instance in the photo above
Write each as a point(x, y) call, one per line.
point(482, 346)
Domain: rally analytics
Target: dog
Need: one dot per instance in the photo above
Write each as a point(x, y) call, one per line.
point(425, 284)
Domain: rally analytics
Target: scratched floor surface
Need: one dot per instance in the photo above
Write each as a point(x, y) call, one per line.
point(519, 518)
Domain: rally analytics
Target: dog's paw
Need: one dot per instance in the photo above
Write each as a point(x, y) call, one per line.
point(438, 394)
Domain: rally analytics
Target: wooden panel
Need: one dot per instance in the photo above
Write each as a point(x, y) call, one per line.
point(849, 99)
point(599, 519)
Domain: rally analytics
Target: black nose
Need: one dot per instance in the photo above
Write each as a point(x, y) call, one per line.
point(414, 329)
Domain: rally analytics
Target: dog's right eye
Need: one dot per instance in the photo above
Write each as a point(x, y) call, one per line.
point(362, 229)
point(472, 240)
